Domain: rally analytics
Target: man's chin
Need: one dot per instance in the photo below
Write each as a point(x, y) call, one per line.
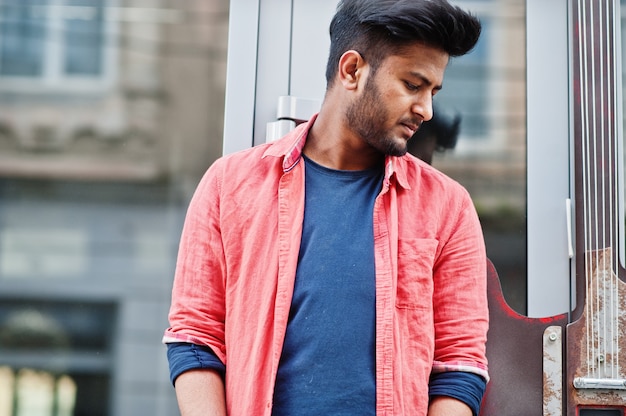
point(397, 148)
point(398, 152)
point(390, 147)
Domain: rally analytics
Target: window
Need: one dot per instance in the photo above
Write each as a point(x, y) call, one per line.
point(22, 42)
point(486, 89)
point(467, 85)
point(49, 43)
point(31, 392)
point(59, 355)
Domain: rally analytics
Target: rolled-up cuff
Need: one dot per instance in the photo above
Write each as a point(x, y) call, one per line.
point(184, 356)
point(466, 387)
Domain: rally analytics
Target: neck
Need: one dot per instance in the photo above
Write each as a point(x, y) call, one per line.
point(332, 144)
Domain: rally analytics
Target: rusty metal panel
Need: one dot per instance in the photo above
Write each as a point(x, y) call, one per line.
point(553, 371)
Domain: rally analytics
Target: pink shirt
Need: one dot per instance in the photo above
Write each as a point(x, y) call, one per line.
point(237, 264)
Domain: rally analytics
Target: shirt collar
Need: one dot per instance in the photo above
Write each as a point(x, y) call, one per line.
point(396, 167)
point(290, 148)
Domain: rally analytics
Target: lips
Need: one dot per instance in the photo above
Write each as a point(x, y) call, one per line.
point(411, 127)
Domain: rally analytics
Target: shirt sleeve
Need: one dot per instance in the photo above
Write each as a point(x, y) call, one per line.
point(198, 310)
point(184, 356)
point(466, 387)
point(461, 316)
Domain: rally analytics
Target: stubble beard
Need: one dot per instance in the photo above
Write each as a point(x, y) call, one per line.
point(367, 120)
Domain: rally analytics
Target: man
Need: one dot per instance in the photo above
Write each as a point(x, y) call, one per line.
point(328, 272)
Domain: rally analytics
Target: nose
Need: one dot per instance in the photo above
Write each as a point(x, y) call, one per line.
point(423, 107)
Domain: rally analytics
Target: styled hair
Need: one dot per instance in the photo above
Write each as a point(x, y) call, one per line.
point(379, 28)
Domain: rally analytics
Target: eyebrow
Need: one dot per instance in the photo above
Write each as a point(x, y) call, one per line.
point(425, 80)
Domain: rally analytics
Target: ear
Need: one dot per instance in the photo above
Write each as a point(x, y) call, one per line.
point(352, 69)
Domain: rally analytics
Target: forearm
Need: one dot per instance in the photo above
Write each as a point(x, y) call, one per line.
point(447, 406)
point(201, 392)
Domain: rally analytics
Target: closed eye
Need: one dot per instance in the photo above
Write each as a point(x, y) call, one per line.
point(412, 87)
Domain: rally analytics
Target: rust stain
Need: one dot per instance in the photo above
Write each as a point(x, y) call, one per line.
point(597, 338)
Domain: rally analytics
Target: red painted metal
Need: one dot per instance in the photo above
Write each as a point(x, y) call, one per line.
point(515, 354)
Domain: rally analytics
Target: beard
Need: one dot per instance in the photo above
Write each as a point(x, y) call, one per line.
point(367, 119)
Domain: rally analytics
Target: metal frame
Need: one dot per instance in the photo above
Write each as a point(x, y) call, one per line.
point(548, 157)
point(279, 48)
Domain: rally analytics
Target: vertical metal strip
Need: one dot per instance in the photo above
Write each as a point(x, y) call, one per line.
point(553, 371)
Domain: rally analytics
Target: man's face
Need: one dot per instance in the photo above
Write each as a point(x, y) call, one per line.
point(397, 98)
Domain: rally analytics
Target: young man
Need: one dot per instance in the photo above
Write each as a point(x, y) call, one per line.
point(330, 273)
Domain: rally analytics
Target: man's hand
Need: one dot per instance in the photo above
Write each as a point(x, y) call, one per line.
point(447, 406)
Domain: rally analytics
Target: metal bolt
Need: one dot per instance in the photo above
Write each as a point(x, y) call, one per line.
point(552, 337)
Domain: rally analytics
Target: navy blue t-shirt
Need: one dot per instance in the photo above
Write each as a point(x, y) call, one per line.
point(328, 360)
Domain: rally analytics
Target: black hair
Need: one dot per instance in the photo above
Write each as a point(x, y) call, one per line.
point(378, 28)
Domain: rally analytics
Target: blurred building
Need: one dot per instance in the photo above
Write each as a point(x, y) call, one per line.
point(110, 110)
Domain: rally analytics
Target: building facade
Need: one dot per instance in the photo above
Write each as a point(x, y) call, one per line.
point(110, 110)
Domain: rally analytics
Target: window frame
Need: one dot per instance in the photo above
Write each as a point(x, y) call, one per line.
point(53, 79)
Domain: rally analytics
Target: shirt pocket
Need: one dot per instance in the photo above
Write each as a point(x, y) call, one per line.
point(416, 257)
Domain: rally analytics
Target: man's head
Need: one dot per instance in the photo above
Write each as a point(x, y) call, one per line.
point(379, 28)
point(387, 62)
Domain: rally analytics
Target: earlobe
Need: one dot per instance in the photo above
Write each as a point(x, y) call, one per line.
point(351, 68)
